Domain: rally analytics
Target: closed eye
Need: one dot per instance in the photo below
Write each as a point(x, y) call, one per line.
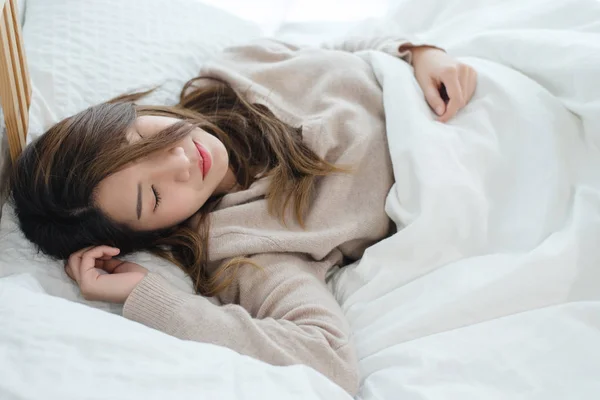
point(156, 197)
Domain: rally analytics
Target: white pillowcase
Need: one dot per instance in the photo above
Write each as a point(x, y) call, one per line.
point(81, 53)
point(19, 256)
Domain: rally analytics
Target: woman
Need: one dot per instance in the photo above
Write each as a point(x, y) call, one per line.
point(272, 169)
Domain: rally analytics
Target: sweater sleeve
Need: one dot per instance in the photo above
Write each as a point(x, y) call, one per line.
point(286, 315)
point(393, 45)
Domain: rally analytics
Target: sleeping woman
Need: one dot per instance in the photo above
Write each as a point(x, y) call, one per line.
point(272, 169)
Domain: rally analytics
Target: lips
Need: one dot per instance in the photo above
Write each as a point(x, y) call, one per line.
point(204, 160)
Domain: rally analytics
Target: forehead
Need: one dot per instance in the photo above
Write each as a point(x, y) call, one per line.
point(151, 124)
point(146, 125)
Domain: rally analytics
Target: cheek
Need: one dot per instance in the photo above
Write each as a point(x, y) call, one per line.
point(183, 203)
point(221, 157)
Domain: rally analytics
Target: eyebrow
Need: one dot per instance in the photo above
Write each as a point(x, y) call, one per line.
point(139, 201)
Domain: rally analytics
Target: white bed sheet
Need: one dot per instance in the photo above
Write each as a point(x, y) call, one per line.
point(490, 291)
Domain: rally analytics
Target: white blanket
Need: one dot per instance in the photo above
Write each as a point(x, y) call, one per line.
point(489, 290)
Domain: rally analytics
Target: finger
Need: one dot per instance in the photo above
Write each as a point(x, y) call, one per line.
point(465, 87)
point(90, 257)
point(116, 266)
point(434, 98)
point(88, 274)
point(73, 267)
point(102, 259)
point(472, 85)
point(128, 267)
point(454, 90)
point(69, 272)
point(74, 260)
point(110, 265)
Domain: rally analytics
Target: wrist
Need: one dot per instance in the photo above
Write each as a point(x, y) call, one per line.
point(419, 51)
point(134, 280)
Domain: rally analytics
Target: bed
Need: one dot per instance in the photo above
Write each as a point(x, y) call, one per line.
point(490, 289)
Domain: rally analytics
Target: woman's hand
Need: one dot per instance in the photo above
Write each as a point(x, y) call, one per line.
point(439, 75)
point(101, 277)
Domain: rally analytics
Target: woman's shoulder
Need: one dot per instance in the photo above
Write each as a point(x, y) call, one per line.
point(262, 47)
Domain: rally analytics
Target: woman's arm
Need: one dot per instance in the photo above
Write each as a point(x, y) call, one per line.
point(286, 314)
point(393, 45)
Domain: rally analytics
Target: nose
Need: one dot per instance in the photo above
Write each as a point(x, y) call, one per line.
point(178, 164)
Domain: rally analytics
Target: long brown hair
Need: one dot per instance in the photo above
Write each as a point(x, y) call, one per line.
point(54, 181)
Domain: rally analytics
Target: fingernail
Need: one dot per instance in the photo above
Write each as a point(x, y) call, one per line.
point(439, 110)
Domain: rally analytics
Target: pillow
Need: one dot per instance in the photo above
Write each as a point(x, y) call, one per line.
point(21, 11)
point(19, 256)
point(81, 53)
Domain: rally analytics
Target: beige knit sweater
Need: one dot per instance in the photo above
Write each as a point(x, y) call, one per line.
point(286, 315)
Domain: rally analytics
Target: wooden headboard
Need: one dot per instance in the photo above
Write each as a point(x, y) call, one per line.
point(15, 87)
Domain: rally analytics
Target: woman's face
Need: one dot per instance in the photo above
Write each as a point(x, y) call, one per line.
point(168, 186)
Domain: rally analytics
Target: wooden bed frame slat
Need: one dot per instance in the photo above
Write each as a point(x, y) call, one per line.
point(15, 86)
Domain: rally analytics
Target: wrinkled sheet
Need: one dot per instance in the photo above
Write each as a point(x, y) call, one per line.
point(52, 348)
